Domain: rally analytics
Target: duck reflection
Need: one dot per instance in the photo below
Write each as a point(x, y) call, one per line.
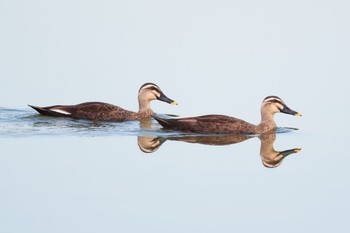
point(269, 156)
point(150, 144)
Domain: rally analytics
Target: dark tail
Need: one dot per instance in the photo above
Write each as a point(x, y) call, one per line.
point(39, 109)
point(46, 111)
point(166, 123)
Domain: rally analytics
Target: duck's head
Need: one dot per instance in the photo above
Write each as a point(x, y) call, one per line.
point(150, 91)
point(274, 104)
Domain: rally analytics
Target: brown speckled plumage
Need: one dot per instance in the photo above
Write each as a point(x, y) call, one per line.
point(98, 111)
point(220, 124)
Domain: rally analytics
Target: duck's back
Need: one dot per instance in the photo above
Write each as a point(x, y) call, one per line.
point(96, 111)
point(101, 112)
point(209, 124)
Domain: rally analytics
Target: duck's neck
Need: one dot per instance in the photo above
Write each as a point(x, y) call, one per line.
point(267, 123)
point(145, 110)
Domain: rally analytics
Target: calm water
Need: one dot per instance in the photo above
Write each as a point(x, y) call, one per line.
point(61, 175)
point(212, 57)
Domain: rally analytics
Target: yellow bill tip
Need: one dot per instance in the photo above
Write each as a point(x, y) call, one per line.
point(174, 103)
point(297, 114)
point(297, 150)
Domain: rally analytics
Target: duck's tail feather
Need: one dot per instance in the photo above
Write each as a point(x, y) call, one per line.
point(46, 111)
point(166, 123)
point(38, 109)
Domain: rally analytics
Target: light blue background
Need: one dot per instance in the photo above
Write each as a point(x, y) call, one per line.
point(210, 56)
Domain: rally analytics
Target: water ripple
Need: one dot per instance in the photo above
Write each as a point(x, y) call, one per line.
point(26, 123)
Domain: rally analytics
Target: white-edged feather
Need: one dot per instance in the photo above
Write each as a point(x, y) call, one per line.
point(60, 111)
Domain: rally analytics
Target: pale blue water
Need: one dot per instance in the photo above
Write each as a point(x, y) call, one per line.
point(62, 175)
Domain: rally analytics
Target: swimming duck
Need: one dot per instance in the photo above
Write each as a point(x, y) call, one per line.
point(98, 111)
point(220, 124)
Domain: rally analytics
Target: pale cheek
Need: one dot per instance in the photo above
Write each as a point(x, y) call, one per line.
point(151, 96)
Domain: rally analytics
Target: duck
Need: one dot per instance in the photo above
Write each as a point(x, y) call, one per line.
point(222, 124)
point(99, 111)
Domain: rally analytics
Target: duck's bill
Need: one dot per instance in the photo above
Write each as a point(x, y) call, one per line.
point(164, 98)
point(290, 111)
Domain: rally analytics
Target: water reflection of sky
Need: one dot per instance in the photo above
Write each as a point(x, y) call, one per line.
point(111, 181)
point(80, 170)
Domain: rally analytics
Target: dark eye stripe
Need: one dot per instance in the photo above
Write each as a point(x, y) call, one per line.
point(276, 101)
point(153, 89)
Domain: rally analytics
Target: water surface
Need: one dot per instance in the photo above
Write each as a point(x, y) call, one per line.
point(64, 175)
